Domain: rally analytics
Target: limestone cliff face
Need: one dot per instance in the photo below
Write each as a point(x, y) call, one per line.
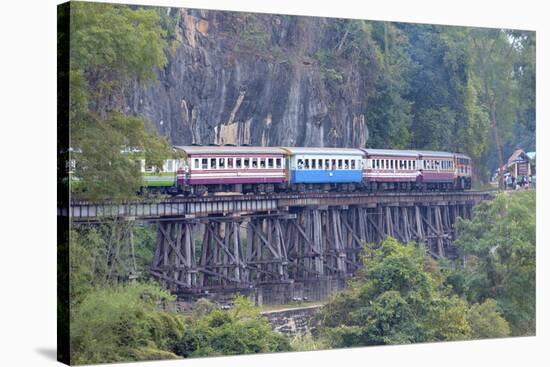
point(237, 78)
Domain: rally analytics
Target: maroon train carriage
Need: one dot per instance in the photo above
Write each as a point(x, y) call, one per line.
point(438, 170)
point(463, 172)
point(232, 169)
point(385, 169)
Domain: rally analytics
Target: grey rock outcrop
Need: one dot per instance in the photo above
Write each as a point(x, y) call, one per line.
point(237, 78)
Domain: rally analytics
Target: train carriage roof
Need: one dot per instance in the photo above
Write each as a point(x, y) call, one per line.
point(462, 155)
point(434, 153)
point(391, 152)
point(323, 150)
point(229, 150)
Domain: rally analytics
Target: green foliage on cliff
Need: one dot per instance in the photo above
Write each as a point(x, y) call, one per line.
point(499, 245)
point(113, 47)
point(434, 87)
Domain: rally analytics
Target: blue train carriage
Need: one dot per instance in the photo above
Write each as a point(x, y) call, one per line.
point(324, 168)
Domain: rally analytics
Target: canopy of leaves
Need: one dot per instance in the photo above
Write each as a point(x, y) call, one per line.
point(499, 245)
point(486, 321)
point(240, 330)
point(394, 300)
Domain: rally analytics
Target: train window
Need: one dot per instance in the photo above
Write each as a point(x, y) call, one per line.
point(270, 162)
point(278, 162)
point(353, 164)
point(246, 163)
point(148, 168)
point(254, 162)
point(222, 163)
point(212, 163)
point(262, 162)
point(229, 162)
point(391, 163)
point(306, 166)
point(340, 164)
point(238, 162)
point(314, 164)
point(319, 164)
point(346, 163)
point(204, 163)
point(300, 164)
point(196, 163)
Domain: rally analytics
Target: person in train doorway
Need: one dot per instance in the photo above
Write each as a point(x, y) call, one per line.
point(419, 179)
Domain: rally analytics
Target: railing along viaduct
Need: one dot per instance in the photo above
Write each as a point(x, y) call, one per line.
point(281, 246)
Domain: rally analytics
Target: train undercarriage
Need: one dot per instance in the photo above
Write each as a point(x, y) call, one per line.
point(460, 184)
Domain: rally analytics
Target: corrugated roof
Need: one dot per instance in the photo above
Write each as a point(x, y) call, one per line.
point(394, 152)
point(319, 150)
point(435, 153)
point(229, 150)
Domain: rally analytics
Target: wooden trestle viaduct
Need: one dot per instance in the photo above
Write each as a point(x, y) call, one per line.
point(282, 246)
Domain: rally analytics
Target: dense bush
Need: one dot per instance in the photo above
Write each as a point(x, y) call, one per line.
point(240, 330)
point(394, 300)
point(124, 323)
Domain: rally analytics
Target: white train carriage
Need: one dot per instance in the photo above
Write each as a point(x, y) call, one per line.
point(229, 168)
point(390, 169)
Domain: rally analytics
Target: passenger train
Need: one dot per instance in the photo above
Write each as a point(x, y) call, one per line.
point(246, 169)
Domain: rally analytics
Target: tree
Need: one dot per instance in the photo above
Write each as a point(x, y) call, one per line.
point(445, 106)
point(394, 300)
point(388, 115)
point(499, 248)
point(495, 54)
point(211, 331)
point(112, 47)
point(486, 321)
